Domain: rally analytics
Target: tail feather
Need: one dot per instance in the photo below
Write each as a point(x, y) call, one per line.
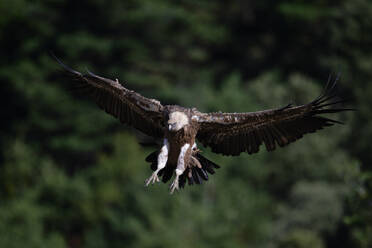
point(202, 173)
point(152, 157)
point(168, 173)
point(196, 176)
point(153, 166)
point(193, 175)
point(182, 181)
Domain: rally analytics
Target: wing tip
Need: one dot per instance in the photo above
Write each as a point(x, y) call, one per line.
point(64, 66)
point(322, 104)
point(91, 73)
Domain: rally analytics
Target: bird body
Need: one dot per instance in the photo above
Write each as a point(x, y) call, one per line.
point(179, 128)
point(179, 144)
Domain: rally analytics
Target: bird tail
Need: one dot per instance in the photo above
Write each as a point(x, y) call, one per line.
point(194, 174)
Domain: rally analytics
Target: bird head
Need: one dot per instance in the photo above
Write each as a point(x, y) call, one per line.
point(177, 120)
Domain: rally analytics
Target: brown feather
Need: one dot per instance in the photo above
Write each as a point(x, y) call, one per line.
point(128, 106)
point(245, 132)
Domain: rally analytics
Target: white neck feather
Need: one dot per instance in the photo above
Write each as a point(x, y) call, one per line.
point(177, 120)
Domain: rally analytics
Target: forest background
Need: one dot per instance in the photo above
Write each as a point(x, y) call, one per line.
point(72, 176)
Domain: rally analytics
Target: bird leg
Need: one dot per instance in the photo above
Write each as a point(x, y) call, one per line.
point(180, 168)
point(162, 161)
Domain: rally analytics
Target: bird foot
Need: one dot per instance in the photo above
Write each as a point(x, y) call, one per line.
point(152, 179)
point(174, 186)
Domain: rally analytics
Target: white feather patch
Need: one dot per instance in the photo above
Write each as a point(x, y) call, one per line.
point(163, 155)
point(178, 119)
point(181, 159)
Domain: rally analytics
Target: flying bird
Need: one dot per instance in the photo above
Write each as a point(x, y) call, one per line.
point(179, 128)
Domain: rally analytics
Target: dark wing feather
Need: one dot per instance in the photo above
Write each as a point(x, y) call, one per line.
point(233, 133)
point(129, 107)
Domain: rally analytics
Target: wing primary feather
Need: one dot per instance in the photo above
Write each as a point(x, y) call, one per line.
point(324, 119)
point(325, 99)
point(128, 106)
point(331, 111)
point(324, 91)
point(330, 89)
point(67, 68)
point(331, 103)
point(327, 90)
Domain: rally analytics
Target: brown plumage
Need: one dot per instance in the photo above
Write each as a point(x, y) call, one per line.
point(233, 133)
point(225, 133)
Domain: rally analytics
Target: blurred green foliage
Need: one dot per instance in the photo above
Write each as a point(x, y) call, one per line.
point(72, 176)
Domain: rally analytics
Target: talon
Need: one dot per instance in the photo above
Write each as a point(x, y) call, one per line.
point(174, 186)
point(152, 179)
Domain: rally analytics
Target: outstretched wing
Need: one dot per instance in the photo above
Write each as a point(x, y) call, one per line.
point(129, 107)
point(233, 133)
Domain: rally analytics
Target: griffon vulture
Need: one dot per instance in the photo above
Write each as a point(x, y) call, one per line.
point(225, 133)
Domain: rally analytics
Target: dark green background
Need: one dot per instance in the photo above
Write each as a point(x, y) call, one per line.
point(72, 176)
